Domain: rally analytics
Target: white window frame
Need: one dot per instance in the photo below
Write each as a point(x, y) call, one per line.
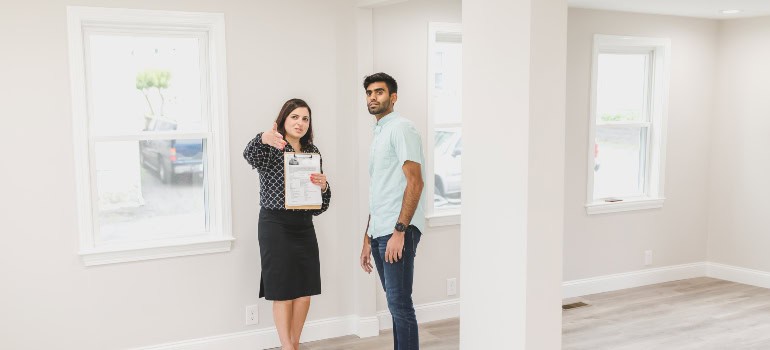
point(654, 169)
point(219, 236)
point(443, 217)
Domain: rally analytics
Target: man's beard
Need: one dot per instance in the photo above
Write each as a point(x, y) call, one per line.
point(379, 109)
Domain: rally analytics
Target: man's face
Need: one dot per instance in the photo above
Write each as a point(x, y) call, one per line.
point(378, 98)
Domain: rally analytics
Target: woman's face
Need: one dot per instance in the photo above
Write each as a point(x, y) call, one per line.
point(297, 123)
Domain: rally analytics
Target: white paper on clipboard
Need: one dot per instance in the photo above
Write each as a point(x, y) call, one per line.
point(301, 193)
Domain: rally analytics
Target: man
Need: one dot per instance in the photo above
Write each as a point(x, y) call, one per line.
point(395, 206)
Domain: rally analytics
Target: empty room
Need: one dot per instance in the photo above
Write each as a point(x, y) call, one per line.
point(377, 174)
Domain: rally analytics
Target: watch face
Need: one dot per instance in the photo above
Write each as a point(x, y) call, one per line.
point(400, 227)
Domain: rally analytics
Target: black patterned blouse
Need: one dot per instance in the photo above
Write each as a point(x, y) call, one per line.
point(268, 161)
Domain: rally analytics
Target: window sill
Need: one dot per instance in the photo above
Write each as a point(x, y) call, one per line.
point(445, 219)
point(147, 251)
point(628, 204)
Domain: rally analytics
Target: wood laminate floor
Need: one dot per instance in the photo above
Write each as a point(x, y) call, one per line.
point(439, 335)
point(699, 313)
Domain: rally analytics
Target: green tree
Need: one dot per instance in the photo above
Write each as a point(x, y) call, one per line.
point(153, 78)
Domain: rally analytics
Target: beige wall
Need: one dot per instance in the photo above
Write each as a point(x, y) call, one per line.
point(715, 172)
point(49, 300)
point(401, 50)
point(545, 216)
point(740, 165)
point(605, 244)
point(514, 101)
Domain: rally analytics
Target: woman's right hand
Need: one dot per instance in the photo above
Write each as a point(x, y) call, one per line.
point(273, 138)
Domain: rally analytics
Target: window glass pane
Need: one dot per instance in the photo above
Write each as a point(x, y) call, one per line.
point(621, 89)
point(447, 97)
point(446, 162)
point(150, 189)
point(135, 78)
point(619, 157)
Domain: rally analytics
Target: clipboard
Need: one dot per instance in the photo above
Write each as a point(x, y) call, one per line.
point(291, 159)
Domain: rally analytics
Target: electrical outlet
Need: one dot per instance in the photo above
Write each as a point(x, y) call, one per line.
point(647, 257)
point(252, 315)
point(451, 286)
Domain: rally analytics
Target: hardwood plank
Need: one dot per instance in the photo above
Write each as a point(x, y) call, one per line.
point(698, 314)
point(439, 335)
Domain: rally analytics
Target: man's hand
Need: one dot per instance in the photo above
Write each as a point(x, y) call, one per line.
point(366, 258)
point(395, 248)
point(273, 138)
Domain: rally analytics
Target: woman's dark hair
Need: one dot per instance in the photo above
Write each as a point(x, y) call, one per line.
point(287, 108)
point(382, 77)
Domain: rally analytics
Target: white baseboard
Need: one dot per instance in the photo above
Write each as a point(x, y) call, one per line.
point(576, 288)
point(266, 338)
point(370, 326)
point(640, 278)
point(429, 312)
point(738, 274)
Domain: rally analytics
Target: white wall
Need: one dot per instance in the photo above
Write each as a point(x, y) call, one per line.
point(401, 50)
point(514, 92)
point(545, 216)
point(606, 244)
point(740, 161)
point(715, 181)
point(49, 300)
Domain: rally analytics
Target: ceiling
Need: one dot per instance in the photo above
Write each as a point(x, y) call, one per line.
point(689, 8)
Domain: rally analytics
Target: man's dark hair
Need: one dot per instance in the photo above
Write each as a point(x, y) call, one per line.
point(382, 77)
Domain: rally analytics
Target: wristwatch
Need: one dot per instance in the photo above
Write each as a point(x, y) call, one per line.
point(400, 227)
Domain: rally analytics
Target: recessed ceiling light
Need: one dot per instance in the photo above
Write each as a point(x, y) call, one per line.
point(730, 12)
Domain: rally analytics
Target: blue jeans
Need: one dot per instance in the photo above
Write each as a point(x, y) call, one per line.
point(397, 279)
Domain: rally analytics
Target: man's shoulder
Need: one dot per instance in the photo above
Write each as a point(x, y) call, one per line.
point(403, 124)
point(401, 120)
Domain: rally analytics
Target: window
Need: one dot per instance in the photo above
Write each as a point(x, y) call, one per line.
point(628, 120)
point(444, 123)
point(150, 133)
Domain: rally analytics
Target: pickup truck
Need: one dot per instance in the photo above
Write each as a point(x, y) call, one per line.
point(170, 158)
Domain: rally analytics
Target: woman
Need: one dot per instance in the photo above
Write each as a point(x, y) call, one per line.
point(287, 243)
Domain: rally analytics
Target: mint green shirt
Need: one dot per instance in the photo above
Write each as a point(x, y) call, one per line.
point(395, 141)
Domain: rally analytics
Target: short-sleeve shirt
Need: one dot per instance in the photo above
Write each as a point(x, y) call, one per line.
point(396, 140)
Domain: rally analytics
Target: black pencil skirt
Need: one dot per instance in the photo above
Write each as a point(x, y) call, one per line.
point(289, 251)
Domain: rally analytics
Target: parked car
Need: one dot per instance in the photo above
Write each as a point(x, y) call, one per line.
point(170, 158)
point(446, 163)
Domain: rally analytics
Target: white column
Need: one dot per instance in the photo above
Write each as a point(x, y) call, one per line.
point(366, 294)
point(548, 80)
point(514, 78)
